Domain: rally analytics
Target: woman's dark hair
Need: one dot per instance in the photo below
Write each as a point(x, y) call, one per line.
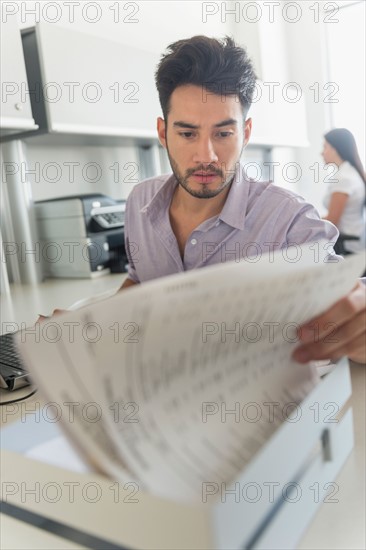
point(345, 144)
point(219, 66)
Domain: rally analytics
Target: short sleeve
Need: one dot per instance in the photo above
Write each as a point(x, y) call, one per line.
point(308, 227)
point(342, 185)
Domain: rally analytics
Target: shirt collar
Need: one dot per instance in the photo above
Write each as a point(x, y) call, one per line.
point(232, 214)
point(235, 207)
point(162, 198)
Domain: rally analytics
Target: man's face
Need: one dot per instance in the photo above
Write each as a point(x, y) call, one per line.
point(204, 137)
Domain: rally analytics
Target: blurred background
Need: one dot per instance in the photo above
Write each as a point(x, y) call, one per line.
point(79, 107)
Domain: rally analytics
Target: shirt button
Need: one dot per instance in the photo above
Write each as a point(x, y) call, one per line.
point(217, 223)
point(193, 241)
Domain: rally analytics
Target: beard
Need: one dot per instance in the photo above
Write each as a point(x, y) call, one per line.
point(205, 192)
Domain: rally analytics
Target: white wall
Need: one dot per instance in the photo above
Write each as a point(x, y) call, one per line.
point(282, 51)
point(60, 171)
point(308, 65)
point(264, 33)
point(288, 43)
point(307, 61)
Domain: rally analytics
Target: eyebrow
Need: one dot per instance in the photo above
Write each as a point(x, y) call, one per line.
point(182, 124)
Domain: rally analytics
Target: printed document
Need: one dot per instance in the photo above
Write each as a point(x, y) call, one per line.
point(182, 380)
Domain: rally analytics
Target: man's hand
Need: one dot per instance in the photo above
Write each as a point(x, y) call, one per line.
point(127, 284)
point(341, 330)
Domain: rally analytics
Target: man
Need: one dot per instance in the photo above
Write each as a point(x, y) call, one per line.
point(207, 212)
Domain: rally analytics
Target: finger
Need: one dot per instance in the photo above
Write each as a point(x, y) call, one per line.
point(340, 334)
point(347, 340)
point(58, 312)
point(354, 350)
point(41, 318)
point(339, 314)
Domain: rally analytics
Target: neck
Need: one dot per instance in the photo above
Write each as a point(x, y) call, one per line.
point(338, 161)
point(193, 206)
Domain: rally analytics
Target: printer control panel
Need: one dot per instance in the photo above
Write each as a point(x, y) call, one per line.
point(109, 217)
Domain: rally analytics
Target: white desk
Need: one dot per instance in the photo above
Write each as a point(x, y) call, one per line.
point(18, 535)
point(114, 519)
point(25, 302)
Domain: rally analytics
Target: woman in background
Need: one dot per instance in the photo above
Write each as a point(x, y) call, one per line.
point(345, 197)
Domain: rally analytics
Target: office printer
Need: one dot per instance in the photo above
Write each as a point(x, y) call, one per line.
point(81, 235)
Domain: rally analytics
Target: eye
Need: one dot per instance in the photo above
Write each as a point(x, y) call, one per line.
point(225, 134)
point(186, 135)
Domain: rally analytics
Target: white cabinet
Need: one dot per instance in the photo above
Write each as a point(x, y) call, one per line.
point(279, 107)
point(279, 115)
point(94, 86)
point(16, 112)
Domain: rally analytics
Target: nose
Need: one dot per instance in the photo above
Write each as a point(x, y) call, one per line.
point(205, 151)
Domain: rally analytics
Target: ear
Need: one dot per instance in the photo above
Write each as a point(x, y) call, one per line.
point(247, 131)
point(161, 128)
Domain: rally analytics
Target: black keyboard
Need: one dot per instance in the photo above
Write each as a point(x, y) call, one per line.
point(12, 372)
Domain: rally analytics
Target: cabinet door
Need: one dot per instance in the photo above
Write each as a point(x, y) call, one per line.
point(95, 86)
point(281, 120)
point(16, 112)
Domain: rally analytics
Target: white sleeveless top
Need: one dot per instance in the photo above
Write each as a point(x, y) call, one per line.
point(352, 221)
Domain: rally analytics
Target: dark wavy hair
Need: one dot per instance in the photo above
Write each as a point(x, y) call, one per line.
point(345, 144)
point(219, 66)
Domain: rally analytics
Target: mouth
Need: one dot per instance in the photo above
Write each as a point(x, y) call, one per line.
point(204, 177)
